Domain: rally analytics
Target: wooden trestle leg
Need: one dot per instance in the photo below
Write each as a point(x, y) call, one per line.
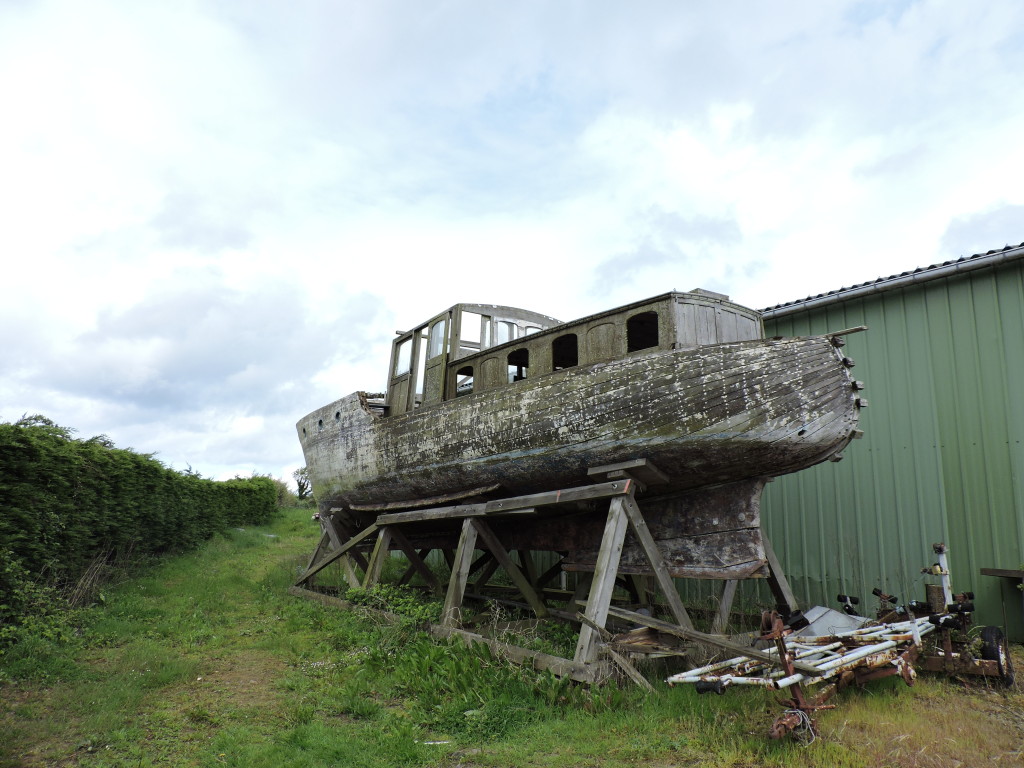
point(460, 575)
point(603, 583)
point(725, 601)
point(777, 581)
point(381, 550)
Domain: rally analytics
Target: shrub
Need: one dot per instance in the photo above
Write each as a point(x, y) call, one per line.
point(29, 608)
point(65, 502)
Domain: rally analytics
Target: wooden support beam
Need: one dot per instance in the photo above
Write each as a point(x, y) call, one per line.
point(485, 557)
point(364, 534)
point(777, 581)
point(321, 546)
point(550, 574)
point(527, 566)
point(493, 543)
point(381, 551)
point(327, 524)
point(349, 573)
point(360, 559)
point(603, 633)
point(582, 493)
point(514, 505)
point(407, 575)
point(641, 469)
point(433, 501)
point(415, 561)
point(603, 583)
point(460, 574)
point(713, 640)
point(595, 672)
point(724, 606)
point(411, 570)
point(661, 574)
point(488, 570)
point(631, 672)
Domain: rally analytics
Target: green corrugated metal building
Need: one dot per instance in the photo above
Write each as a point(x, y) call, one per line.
point(942, 456)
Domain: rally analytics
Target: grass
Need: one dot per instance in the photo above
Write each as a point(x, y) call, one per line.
point(205, 659)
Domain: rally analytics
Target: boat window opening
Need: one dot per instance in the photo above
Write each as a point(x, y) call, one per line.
point(642, 331)
point(470, 328)
point(474, 333)
point(565, 352)
point(464, 381)
point(485, 332)
point(518, 362)
point(421, 366)
point(436, 342)
point(505, 331)
point(404, 357)
point(532, 329)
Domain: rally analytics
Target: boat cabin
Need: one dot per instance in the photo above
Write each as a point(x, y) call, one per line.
point(473, 348)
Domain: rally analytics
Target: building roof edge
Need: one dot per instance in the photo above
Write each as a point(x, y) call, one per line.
point(915, 277)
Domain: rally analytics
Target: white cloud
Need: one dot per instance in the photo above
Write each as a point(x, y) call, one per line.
point(215, 217)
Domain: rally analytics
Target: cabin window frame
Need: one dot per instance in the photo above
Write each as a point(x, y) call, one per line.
point(411, 375)
point(474, 333)
point(403, 349)
point(641, 335)
point(437, 338)
point(468, 372)
point(512, 328)
point(518, 361)
point(561, 354)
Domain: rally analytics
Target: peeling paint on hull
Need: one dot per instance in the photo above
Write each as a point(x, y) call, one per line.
point(708, 416)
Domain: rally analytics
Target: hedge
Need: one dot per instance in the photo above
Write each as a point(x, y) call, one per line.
point(65, 501)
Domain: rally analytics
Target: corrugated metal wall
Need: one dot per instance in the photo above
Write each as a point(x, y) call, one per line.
point(941, 458)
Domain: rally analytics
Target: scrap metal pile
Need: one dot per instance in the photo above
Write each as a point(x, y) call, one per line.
point(832, 649)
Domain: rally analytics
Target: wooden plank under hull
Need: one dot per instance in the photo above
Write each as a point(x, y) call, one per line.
point(706, 416)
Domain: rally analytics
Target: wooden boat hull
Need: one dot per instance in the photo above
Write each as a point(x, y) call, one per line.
point(708, 416)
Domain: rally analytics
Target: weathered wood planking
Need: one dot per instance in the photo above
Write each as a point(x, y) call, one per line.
point(704, 416)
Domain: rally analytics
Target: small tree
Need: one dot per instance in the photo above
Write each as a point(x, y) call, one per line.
point(302, 484)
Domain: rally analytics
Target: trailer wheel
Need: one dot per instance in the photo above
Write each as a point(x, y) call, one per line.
point(995, 648)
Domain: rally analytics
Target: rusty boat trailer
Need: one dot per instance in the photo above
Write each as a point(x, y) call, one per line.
point(936, 641)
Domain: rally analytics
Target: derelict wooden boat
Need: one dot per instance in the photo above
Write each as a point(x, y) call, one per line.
point(485, 399)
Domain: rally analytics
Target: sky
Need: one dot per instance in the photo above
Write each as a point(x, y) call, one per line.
point(214, 216)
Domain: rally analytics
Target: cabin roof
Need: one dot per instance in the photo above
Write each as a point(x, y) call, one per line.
point(501, 310)
point(700, 292)
point(559, 326)
point(495, 310)
point(651, 300)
